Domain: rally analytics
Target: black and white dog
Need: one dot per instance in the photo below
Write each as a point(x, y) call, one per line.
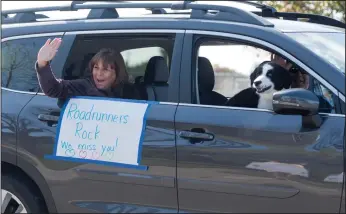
point(266, 79)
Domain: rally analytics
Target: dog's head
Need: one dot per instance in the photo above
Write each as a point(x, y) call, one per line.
point(269, 77)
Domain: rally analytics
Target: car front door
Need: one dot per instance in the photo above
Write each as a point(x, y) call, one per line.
point(87, 187)
point(251, 160)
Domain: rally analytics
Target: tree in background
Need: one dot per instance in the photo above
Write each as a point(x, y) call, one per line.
point(332, 9)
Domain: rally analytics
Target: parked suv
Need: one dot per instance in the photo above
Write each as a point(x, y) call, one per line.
point(203, 156)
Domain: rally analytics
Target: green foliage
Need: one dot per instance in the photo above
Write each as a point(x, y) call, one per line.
point(333, 9)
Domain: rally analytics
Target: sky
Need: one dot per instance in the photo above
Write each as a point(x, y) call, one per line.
point(236, 58)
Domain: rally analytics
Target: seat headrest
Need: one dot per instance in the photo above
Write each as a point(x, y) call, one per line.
point(206, 78)
point(138, 79)
point(156, 71)
point(84, 71)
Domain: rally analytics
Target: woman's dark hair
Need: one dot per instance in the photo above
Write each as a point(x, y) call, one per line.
point(112, 58)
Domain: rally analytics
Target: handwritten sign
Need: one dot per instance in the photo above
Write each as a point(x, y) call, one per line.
point(101, 130)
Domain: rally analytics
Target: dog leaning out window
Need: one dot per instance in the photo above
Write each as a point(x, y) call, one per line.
point(267, 78)
point(276, 75)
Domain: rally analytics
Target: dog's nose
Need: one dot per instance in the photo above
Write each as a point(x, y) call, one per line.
point(257, 83)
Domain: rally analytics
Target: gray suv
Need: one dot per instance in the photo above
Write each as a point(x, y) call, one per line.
point(202, 155)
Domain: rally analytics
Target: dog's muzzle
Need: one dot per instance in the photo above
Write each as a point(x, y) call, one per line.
point(262, 89)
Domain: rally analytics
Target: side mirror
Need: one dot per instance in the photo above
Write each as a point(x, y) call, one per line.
point(295, 101)
point(298, 101)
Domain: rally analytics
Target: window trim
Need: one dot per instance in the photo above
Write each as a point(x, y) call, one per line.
point(18, 91)
point(249, 109)
point(176, 31)
point(31, 36)
point(264, 44)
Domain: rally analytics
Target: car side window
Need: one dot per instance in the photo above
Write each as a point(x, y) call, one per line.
point(232, 64)
point(18, 59)
point(228, 73)
point(136, 60)
point(147, 60)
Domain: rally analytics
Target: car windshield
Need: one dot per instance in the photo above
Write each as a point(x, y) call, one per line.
point(330, 46)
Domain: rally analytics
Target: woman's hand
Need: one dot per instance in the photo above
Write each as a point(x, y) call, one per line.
point(48, 51)
point(281, 61)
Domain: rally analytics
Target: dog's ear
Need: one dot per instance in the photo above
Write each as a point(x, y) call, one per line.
point(287, 79)
point(253, 76)
point(281, 78)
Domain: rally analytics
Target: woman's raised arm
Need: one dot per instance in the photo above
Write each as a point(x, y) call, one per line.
point(50, 85)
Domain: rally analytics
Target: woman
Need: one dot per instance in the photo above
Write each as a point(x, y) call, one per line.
point(108, 76)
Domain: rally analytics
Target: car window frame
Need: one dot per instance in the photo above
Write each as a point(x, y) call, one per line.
point(187, 99)
point(174, 70)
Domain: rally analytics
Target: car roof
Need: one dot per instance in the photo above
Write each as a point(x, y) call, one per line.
point(301, 26)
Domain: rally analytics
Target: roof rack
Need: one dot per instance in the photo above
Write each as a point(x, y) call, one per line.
point(157, 10)
point(108, 10)
point(266, 10)
point(22, 17)
point(318, 19)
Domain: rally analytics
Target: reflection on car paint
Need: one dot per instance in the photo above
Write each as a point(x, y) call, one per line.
point(331, 139)
point(339, 178)
point(224, 144)
point(271, 166)
point(110, 207)
point(239, 188)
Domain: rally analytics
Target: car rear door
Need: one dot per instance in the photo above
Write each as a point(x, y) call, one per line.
point(87, 187)
point(251, 160)
point(18, 86)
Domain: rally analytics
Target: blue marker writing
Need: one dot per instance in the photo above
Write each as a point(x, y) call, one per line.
point(65, 145)
point(86, 134)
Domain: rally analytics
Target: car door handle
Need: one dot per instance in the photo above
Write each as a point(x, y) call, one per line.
point(196, 135)
point(48, 118)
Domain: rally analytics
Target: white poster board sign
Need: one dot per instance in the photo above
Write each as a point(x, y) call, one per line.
point(101, 130)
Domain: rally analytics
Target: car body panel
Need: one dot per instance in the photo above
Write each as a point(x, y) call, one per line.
point(12, 103)
point(343, 200)
point(257, 159)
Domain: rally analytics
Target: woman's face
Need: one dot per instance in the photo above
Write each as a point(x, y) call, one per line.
point(104, 77)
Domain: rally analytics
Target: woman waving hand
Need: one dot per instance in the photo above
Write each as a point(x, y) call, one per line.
point(108, 75)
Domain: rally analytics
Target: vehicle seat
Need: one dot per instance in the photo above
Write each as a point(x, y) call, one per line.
point(138, 80)
point(206, 82)
point(155, 79)
point(84, 71)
